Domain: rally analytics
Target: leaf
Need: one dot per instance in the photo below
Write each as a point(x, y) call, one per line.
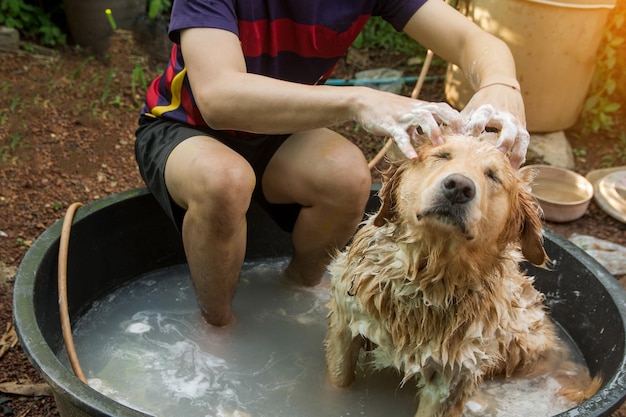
point(591, 102)
point(602, 118)
point(595, 125)
point(610, 86)
point(612, 107)
point(28, 8)
point(154, 8)
point(610, 61)
point(14, 8)
point(13, 23)
point(358, 42)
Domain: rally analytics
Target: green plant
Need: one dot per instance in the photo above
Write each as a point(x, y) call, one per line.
point(377, 33)
point(81, 67)
point(107, 86)
point(579, 153)
point(32, 22)
point(14, 102)
point(5, 151)
point(111, 19)
point(23, 242)
point(117, 101)
point(138, 80)
point(607, 90)
point(158, 7)
point(139, 77)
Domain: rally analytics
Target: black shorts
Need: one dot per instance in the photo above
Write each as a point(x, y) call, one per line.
point(157, 137)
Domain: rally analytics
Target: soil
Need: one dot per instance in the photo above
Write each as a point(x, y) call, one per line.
point(67, 125)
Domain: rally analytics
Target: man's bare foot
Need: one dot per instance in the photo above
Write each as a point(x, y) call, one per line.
point(220, 320)
point(292, 275)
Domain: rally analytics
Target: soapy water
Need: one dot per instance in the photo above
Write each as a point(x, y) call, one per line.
point(146, 346)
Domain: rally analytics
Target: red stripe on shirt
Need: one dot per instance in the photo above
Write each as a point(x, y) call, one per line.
point(284, 35)
point(153, 93)
point(194, 117)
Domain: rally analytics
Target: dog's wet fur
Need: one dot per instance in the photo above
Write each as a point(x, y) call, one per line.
point(432, 281)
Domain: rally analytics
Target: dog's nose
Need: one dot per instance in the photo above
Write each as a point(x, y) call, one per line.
point(458, 188)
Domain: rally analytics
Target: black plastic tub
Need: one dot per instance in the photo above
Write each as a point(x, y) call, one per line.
point(121, 237)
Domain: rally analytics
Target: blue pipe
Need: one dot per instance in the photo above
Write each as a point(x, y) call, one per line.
point(366, 81)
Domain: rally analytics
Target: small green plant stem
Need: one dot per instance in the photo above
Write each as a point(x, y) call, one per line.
point(109, 14)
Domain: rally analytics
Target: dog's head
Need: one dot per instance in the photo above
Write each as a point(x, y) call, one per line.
point(463, 189)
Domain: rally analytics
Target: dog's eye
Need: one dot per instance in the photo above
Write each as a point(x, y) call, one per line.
point(443, 155)
point(491, 174)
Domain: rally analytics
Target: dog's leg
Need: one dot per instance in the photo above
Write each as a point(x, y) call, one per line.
point(444, 395)
point(342, 350)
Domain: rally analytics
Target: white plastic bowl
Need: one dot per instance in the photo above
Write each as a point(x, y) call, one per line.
point(563, 194)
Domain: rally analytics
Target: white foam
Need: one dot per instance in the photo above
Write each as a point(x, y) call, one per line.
point(138, 328)
point(147, 347)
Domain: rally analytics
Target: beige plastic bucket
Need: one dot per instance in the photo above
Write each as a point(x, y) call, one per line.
point(554, 44)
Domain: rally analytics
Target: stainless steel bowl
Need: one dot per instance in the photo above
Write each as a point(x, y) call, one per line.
point(563, 194)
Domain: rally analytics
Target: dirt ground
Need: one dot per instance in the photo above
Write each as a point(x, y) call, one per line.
point(66, 135)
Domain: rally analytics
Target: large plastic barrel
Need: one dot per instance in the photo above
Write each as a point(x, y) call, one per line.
point(555, 45)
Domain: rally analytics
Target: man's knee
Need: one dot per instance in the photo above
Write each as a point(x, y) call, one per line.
point(232, 185)
point(222, 196)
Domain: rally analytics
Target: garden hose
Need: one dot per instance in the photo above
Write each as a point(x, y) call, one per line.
point(66, 326)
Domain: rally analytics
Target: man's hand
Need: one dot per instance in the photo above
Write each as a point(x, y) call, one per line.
point(513, 138)
point(404, 124)
point(500, 106)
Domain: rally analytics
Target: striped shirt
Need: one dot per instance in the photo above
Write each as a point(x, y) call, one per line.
point(292, 40)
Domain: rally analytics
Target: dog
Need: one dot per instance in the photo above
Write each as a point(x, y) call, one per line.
point(431, 284)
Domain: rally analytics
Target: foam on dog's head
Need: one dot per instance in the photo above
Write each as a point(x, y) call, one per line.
point(395, 155)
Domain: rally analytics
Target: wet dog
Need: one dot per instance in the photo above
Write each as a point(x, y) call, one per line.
point(431, 284)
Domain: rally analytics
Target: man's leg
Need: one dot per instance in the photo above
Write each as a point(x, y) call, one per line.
point(329, 177)
point(214, 184)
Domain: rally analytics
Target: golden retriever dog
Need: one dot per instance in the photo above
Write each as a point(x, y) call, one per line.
point(431, 284)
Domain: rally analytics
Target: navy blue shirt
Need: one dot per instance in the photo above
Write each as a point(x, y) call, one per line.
point(292, 40)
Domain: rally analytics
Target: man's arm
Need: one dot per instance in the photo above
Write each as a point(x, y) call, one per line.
point(230, 98)
point(489, 67)
point(484, 58)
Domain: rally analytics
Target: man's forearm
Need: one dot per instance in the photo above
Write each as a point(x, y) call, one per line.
point(259, 104)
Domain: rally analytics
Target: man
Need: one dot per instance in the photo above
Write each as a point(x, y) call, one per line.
point(241, 112)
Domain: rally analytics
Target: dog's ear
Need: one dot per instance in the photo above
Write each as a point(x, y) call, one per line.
point(531, 229)
point(387, 195)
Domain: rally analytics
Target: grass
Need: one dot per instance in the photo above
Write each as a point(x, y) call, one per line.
point(7, 151)
point(16, 105)
point(15, 101)
point(107, 86)
point(617, 155)
point(78, 88)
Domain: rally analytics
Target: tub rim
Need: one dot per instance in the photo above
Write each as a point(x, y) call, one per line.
point(83, 397)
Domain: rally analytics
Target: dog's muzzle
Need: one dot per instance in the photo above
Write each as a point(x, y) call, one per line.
point(458, 189)
point(451, 204)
